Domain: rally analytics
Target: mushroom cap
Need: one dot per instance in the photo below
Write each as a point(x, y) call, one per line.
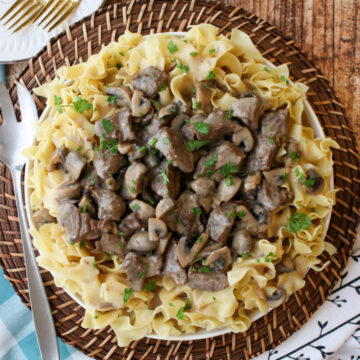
point(140, 242)
point(123, 95)
point(276, 299)
point(317, 182)
point(220, 259)
point(157, 229)
point(244, 139)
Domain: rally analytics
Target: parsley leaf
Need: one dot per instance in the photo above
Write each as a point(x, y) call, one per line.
point(111, 99)
point(245, 255)
point(136, 206)
point(210, 173)
point(294, 156)
point(205, 269)
point(201, 127)
point(229, 168)
point(211, 51)
point(267, 69)
point(95, 265)
point(197, 105)
point(152, 142)
point(150, 286)
point(211, 75)
point(298, 221)
point(199, 239)
point(127, 294)
point(166, 141)
point(229, 115)
point(172, 47)
point(165, 177)
point(108, 125)
point(211, 161)
point(241, 213)
point(193, 53)
point(229, 181)
point(283, 177)
point(182, 67)
point(310, 182)
point(163, 86)
point(271, 140)
point(57, 101)
point(196, 211)
point(282, 77)
point(81, 105)
point(180, 313)
point(195, 144)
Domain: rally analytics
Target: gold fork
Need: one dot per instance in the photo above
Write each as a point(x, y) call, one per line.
point(24, 12)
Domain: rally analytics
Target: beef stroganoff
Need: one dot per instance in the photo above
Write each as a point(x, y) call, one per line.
point(174, 186)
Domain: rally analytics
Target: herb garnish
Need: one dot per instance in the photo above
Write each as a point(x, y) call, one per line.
point(211, 75)
point(111, 99)
point(165, 177)
point(180, 313)
point(195, 144)
point(108, 125)
point(229, 168)
point(211, 161)
point(298, 221)
point(127, 294)
point(202, 127)
point(150, 286)
point(172, 47)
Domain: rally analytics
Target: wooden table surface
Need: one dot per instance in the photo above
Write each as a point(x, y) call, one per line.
point(326, 30)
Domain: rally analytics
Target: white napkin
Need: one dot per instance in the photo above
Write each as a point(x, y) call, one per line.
point(31, 39)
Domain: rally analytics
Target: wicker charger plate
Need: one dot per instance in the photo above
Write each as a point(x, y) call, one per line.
point(87, 37)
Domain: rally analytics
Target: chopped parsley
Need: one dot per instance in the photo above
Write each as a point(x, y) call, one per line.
point(197, 105)
point(211, 161)
point(229, 168)
point(229, 115)
point(199, 239)
point(193, 53)
point(202, 127)
point(214, 298)
point(171, 304)
point(108, 125)
point(84, 209)
point(72, 242)
point(195, 144)
point(96, 316)
point(151, 201)
point(79, 148)
point(165, 177)
point(187, 121)
point(241, 213)
point(211, 75)
point(163, 86)
point(111, 99)
point(83, 244)
point(211, 51)
point(150, 286)
point(172, 47)
point(121, 53)
point(133, 190)
point(205, 269)
point(95, 265)
point(127, 294)
point(229, 181)
point(152, 142)
point(283, 177)
point(267, 69)
point(57, 101)
point(180, 313)
point(196, 211)
point(170, 162)
point(166, 141)
point(271, 140)
point(81, 105)
point(282, 77)
point(92, 181)
point(141, 275)
point(310, 182)
point(118, 65)
point(294, 156)
point(298, 221)
point(210, 173)
point(121, 245)
point(182, 67)
point(245, 254)
point(269, 257)
point(142, 148)
point(135, 206)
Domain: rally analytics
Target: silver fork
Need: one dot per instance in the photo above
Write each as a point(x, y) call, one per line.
point(15, 136)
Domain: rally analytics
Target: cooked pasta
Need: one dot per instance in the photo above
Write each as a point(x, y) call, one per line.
point(173, 309)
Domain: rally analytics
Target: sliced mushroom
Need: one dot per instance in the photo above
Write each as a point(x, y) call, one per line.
point(251, 183)
point(277, 176)
point(140, 105)
point(57, 158)
point(203, 186)
point(178, 121)
point(162, 244)
point(314, 182)
point(276, 299)
point(228, 187)
point(187, 255)
point(141, 243)
point(142, 210)
point(43, 216)
point(168, 110)
point(248, 221)
point(219, 259)
point(134, 178)
point(74, 164)
point(244, 139)
point(208, 249)
point(286, 265)
point(67, 192)
point(163, 207)
point(242, 242)
point(172, 266)
point(157, 229)
point(123, 95)
point(203, 97)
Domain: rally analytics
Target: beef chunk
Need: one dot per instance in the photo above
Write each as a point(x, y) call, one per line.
point(172, 266)
point(211, 281)
point(166, 180)
point(220, 223)
point(149, 80)
point(171, 143)
point(263, 155)
point(274, 124)
point(106, 163)
point(112, 244)
point(129, 225)
point(110, 205)
point(247, 109)
point(135, 177)
point(134, 268)
point(74, 164)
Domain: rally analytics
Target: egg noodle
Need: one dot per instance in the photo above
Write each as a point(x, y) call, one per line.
point(238, 66)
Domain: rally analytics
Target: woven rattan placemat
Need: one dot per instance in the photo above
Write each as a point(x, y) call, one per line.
point(87, 37)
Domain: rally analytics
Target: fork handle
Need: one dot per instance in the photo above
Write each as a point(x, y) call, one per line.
point(44, 324)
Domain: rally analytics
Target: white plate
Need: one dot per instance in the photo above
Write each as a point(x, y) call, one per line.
point(27, 42)
point(311, 120)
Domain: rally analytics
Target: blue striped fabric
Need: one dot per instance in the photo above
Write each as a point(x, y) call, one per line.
point(17, 332)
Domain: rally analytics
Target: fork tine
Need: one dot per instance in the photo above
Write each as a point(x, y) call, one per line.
point(51, 10)
point(64, 16)
point(11, 8)
point(56, 15)
point(23, 16)
point(24, 6)
point(29, 19)
point(44, 8)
